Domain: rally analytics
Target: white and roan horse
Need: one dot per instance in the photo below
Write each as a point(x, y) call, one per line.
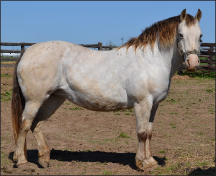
point(136, 75)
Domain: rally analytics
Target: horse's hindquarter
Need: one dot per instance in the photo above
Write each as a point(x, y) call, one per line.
point(39, 69)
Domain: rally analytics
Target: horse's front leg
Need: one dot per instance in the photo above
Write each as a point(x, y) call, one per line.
point(145, 113)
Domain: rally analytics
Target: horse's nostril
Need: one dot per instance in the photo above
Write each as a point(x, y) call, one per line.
point(198, 61)
point(188, 63)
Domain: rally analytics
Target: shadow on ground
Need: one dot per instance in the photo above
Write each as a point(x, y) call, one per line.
point(199, 171)
point(89, 156)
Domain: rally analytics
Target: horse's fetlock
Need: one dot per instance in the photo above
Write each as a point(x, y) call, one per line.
point(40, 153)
point(21, 160)
point(45, 158)
point(15, 157)
point(44, 152)
point(17, 153)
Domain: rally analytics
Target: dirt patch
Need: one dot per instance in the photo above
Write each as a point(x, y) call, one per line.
point(85, 142)
point(178, 77)
point(9, 62)
point(5, 70)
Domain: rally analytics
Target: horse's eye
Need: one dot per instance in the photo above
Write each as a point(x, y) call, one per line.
point(200, 38)
point(181, 36)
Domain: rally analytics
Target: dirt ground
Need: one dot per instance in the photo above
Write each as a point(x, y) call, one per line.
point(85, 142)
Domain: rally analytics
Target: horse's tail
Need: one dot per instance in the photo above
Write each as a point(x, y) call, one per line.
point(17, 106)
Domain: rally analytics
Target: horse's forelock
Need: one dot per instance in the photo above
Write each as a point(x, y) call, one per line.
point(190, 20)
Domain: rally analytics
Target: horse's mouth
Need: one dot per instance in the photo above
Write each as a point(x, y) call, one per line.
point(191, 70)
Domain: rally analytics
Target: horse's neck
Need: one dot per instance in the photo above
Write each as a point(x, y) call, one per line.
point(167, 58)
point(158, 62)
point(176, 61)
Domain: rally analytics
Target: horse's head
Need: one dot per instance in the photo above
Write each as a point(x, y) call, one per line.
point(189, 38)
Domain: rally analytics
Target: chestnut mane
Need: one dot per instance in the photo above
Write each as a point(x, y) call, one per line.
point(164, 30)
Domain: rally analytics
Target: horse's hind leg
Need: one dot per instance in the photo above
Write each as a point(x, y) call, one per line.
point(45, 111)
point(29, 113)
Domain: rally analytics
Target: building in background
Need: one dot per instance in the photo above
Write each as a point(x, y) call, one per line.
point(10, 54)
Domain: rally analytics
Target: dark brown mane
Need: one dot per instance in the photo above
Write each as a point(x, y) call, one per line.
point(164, 30)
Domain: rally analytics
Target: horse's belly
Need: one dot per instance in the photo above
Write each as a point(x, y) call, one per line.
point(97, 100)
point(97, 104)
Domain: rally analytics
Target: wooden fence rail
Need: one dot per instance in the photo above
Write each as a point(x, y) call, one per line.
point(99, 46)
point(207, 54)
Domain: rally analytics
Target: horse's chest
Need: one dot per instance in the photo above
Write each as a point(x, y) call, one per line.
point(159, 92)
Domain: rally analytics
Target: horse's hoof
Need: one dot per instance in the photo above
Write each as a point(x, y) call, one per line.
point(30, 167)
point(147, 165)
point(43, 163)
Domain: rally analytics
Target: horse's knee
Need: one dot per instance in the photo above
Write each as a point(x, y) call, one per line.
point(143, 136)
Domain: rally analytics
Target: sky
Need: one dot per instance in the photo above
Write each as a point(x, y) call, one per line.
point(90, 22)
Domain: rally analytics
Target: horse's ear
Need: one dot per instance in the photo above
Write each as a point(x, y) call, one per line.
point(198, 15)
point(183, 15)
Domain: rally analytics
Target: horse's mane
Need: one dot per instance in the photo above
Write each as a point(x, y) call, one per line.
point(164, 30)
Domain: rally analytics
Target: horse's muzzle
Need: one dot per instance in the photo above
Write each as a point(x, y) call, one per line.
point(192, 62)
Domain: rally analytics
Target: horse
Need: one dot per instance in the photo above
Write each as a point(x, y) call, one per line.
point(135, 75)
